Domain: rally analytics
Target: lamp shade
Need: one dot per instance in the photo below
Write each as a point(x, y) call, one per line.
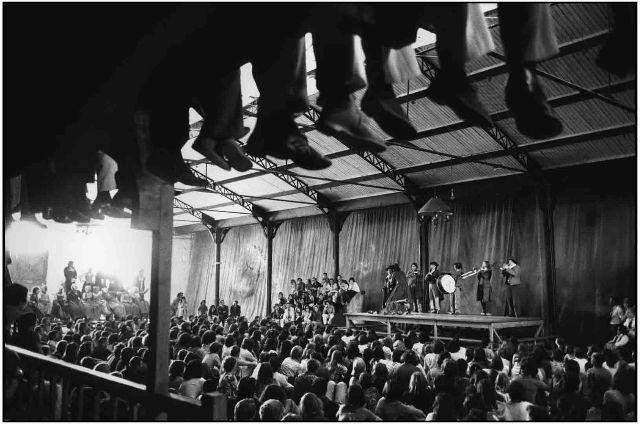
point(435, 206)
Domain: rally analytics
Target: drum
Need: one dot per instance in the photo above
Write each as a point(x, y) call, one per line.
point(446, 284)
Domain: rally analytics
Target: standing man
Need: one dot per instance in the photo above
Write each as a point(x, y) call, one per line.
point(139, 283)
point(414, 280)
point(454, 298)
point(431, 279)
point(223, 311)
point(388, 287)
point(235, 310)
point(70, 276)
point(511, 272)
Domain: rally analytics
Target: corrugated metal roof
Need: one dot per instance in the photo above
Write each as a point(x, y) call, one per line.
point(577, 25)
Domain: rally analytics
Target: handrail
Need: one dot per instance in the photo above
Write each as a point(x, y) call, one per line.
point(176, 406)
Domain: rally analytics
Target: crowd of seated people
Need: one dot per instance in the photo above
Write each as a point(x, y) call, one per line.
point(314, 301)
point(316, 372)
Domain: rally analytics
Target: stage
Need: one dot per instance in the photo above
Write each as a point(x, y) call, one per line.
point(491, 323)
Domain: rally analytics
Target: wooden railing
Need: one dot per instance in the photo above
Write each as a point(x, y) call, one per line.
point(53, 390)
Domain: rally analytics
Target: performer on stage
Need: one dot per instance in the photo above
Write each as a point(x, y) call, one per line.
point(388, 286)
point(400, 290)
point(139, 283)
point(483, 295)
point(511, 272)
point(454, 298)
point(431, 279)
point(223, 311)
point(416, 292)
point(70, 276)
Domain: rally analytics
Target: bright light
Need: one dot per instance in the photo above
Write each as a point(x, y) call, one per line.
point(26, 238)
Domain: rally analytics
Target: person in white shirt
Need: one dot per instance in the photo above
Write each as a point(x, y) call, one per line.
point(291, 366)
point(353, 286)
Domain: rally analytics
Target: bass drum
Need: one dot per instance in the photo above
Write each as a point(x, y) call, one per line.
point(446, 284)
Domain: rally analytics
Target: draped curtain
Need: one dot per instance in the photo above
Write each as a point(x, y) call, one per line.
point(491, 229)
point(200, 284)
point(595, 254)
point(302, 248)
point(373, 239)
point(181, 263)
point(244, 269)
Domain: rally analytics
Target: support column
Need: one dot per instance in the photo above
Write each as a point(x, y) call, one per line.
point(270, 230)
point(336, 221)
point(155, 213)
point(218, 236)
point(423, 248)
point(547, 204)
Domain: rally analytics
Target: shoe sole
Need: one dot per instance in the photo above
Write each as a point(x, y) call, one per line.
point(463, 112)
point(395, 127)
point(210, 154)
point(235, 156)
point(533, 131)
point(354, 143)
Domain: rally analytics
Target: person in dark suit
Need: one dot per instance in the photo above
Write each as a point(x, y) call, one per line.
point(235, 310)
point(483, 293)
point(223, 311)
point(511, 272)
point(70, 276)
point(431, 280)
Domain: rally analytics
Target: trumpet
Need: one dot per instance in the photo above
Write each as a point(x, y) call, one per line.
point(469, 273)
point(506, 266)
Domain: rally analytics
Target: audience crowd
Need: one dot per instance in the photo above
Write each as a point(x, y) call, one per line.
point(306, 371)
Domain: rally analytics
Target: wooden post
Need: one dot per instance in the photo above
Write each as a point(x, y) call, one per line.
point(423, 248)
point(214, 406)
point(155, 213)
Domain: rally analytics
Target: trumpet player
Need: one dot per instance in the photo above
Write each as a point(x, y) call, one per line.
point(454, 298)
point(511, 272)
point(431, 279)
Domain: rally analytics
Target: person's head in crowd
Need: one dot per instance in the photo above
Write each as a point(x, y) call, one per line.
point(409, 357)
point(444, 407)
point(245, 410)
point(302, 385)
point(311, 408)
point(176, 369)
point(271, 410)
point(612, 412)
point(393, 389)
point(273, 391)
point(87, 362)
point(246, 388)
point(209, 386)
point(417, 382)
point(365, 381)
point(193, 370)
point(71, 353)
point(102, 367)
point(84, 350)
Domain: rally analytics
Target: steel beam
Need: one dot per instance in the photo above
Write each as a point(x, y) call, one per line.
point(258, 213)
point(411, 190)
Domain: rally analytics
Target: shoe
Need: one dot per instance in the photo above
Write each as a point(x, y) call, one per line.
point(482, 313)
point(382, 106)
point(534, 116)
point(282, 139)
point(210, 149)
point(351, 126)
point(451, 313)
point(488, 313)
point(62, 215)
point(170, 167)
point(235, 156)
point(31, 217)
point(460, 95)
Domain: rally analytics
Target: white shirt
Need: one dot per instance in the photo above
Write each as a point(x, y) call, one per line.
point(290, 368)
point(354, 287)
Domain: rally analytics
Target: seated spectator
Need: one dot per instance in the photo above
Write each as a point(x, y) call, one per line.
point(517, 409)
point(419, 394)
point(271, 410)
point(193, 381)
point(311, 408)
point(391, 408)
point(330, 408)
point(354, 408)
point(245, 410)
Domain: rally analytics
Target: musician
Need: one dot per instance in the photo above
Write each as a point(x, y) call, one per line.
point(400, 288)
point(454, 298)
point(388, 287)
point(414, 281)
point(483, 294)
point(88, 277)
point(174, 304)
point(431, 279)
point(70, 275)
point(511, 272)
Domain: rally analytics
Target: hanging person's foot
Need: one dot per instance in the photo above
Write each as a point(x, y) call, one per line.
point(454, 89)
point(381, 104)
point(170, 167)
point(350, 125)
point(535, 118)
point(279, 136)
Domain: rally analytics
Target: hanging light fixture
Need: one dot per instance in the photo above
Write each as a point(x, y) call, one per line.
point(436, 208)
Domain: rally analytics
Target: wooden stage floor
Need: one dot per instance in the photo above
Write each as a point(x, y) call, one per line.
point(491, 323)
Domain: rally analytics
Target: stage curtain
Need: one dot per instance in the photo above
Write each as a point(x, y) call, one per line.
point(244, 269)
point(199, 280)
point(373, 239)
point(302, 248)
point(493, 228)
point(595, 251)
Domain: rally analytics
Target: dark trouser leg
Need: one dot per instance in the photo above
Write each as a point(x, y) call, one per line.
point(219, 101)
point(451, 23)
point(484, 306)
point(527, 32)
